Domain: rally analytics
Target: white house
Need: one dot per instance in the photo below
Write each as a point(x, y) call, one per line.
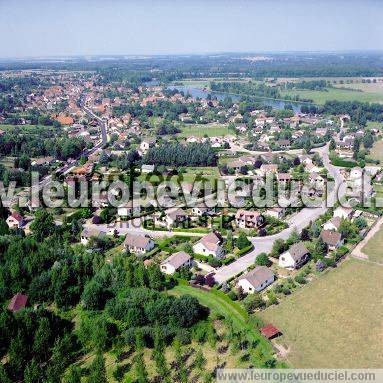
point(128, 210)
point(256, 280)
point(343, 212)
point(202, 209)
point(210, 244)
point(332, 224)
point(15, 221)
point(145, 168)
point(295, 257)
point(276, 212)
point(175, 262)
point(138, 244)
point(248, 219)
point(89, 233)
point(175, 216)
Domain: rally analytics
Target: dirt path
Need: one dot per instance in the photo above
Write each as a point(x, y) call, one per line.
point(357, 252)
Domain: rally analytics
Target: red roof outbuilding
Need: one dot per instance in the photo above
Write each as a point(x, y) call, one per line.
point(18, 302)
point(270, 331)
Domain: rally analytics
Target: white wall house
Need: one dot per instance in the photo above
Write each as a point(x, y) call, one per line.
point(209, 245)
point(256, 280)
point(15, 221)
point(295, 257)
point(128, 210)
point(175, 262)
point(138, 244)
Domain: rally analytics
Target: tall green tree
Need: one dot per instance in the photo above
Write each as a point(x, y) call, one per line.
point(141, 373)
point(43, 225)
point(98, 370)
point(159, 353)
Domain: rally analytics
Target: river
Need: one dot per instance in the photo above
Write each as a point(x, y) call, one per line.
point(200, 93)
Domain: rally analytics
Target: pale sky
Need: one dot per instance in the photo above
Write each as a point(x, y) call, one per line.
point(84, 27)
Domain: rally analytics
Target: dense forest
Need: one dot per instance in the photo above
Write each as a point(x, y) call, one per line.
point(175, 154)
point(360, 112)
point(249, 88)
point(170, 68)
point(119, 302)
point(39, 142)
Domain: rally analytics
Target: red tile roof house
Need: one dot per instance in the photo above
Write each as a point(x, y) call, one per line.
point(18, 302)
point(15, 221)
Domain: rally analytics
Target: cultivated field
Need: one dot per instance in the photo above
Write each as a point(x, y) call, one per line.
point(200, 130)
point(335, 321)
point(373, 248)
point(320, 97)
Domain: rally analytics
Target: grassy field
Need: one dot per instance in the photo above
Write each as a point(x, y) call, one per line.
point(335, 321)
point(376, 152)
point(220, 303)
point(200, 130)
point(373, 248)
point(320, 97)
point(376, 88)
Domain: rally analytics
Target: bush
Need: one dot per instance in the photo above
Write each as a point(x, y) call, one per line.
point(253, 302)
point(245, 250)
point(300, 279)
point(232, 295)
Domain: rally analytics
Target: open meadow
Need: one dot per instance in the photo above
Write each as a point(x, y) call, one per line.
point(321, 96)
point(334, 321)
point(200, 130)
point(373, 248)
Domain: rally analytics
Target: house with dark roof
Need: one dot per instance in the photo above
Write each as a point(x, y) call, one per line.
point(175, 262)
point(332, 239)
point(18, 302)
point(295, 257)
point(91, 232)
point(256, 280)
point(175, 216)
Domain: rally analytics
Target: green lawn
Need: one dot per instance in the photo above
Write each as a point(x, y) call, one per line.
point(320, 97)
point(220, 303)
point(336, 320)
point(373, 248)
point(200, 130)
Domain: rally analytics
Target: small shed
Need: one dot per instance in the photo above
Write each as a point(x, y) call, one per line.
point(18, 302)
point(270, 331)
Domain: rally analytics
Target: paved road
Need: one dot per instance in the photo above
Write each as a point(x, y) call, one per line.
point(104, 136)
point(297, 222)
point(261, 244)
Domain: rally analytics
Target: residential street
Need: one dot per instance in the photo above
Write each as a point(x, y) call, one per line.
point(297, 222)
